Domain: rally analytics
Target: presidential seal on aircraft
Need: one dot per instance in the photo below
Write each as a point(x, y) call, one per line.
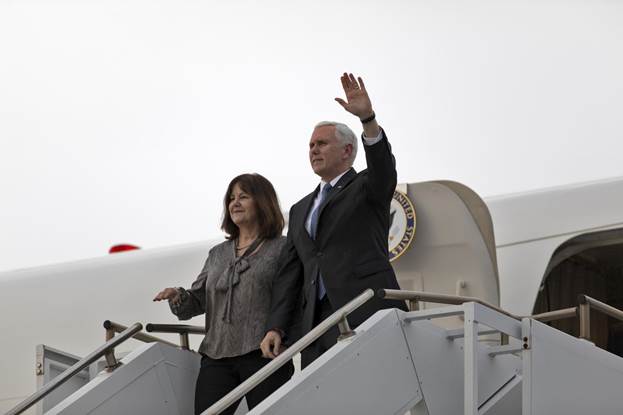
point(401, 224)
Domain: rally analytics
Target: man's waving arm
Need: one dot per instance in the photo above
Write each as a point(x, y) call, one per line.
point(382, 175)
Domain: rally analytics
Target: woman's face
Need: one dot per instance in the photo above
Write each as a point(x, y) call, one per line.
point(241, 207)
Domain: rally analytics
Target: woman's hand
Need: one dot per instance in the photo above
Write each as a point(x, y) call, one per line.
point(169, 293)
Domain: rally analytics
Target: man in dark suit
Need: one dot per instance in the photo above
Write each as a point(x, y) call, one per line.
point(337, 235)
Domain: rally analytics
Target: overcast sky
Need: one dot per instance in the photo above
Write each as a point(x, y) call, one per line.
point(123, 121)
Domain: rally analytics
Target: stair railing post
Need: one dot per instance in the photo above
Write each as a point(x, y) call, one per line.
point(344, 328)
point(470, 365)
point(585, 318)
point(111, 360)
point(184, 342)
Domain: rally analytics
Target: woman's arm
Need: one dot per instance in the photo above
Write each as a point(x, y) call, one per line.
point(184, 303)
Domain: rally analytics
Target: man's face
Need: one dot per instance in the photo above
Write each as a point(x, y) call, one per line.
point(327, 156)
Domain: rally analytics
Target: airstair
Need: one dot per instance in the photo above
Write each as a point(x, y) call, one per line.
point(394, 363)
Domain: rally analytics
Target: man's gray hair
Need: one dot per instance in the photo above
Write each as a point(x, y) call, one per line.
point(344, 135)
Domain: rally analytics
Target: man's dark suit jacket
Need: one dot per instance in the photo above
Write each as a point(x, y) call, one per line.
point(350, 250)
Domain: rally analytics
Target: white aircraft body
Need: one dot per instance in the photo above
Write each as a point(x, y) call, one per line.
point(502, 250)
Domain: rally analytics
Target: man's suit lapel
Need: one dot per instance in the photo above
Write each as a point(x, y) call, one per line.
point(339, 186)
point(306, 205)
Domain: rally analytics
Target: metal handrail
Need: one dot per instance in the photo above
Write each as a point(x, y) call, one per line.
point(182, 329)
point(556, 314)
point(118, 328)
point(76, 368)
point(174, 328)
point(338, 317)
point(582, 312)
point(586, 305)
point(599, 306)
point(414, 296)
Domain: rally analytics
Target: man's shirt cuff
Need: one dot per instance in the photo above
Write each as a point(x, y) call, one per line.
point(371, 141)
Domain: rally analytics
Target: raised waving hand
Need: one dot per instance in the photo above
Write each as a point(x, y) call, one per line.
point(358, 103)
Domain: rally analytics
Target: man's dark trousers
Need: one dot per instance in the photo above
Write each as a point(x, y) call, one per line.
point(324, 342)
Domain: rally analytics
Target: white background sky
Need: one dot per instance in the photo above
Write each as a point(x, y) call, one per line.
point(123, 121)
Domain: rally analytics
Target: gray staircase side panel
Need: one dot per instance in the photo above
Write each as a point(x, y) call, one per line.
point(439, 363)
point(569, 375)
point(179, 370)
point(52, 362)
point(371, 373)
point(154, 379)
point(507, 401)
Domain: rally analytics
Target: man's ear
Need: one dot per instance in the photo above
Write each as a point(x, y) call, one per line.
point(347, 152)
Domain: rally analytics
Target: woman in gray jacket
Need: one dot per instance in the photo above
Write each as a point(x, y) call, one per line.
point(234, 291)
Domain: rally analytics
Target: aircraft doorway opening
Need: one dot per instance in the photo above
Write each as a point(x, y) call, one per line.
point(590, 264)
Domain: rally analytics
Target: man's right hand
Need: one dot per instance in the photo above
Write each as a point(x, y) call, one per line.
point(271, 344)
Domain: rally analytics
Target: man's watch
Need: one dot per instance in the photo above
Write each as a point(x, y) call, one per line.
point(370, 118)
